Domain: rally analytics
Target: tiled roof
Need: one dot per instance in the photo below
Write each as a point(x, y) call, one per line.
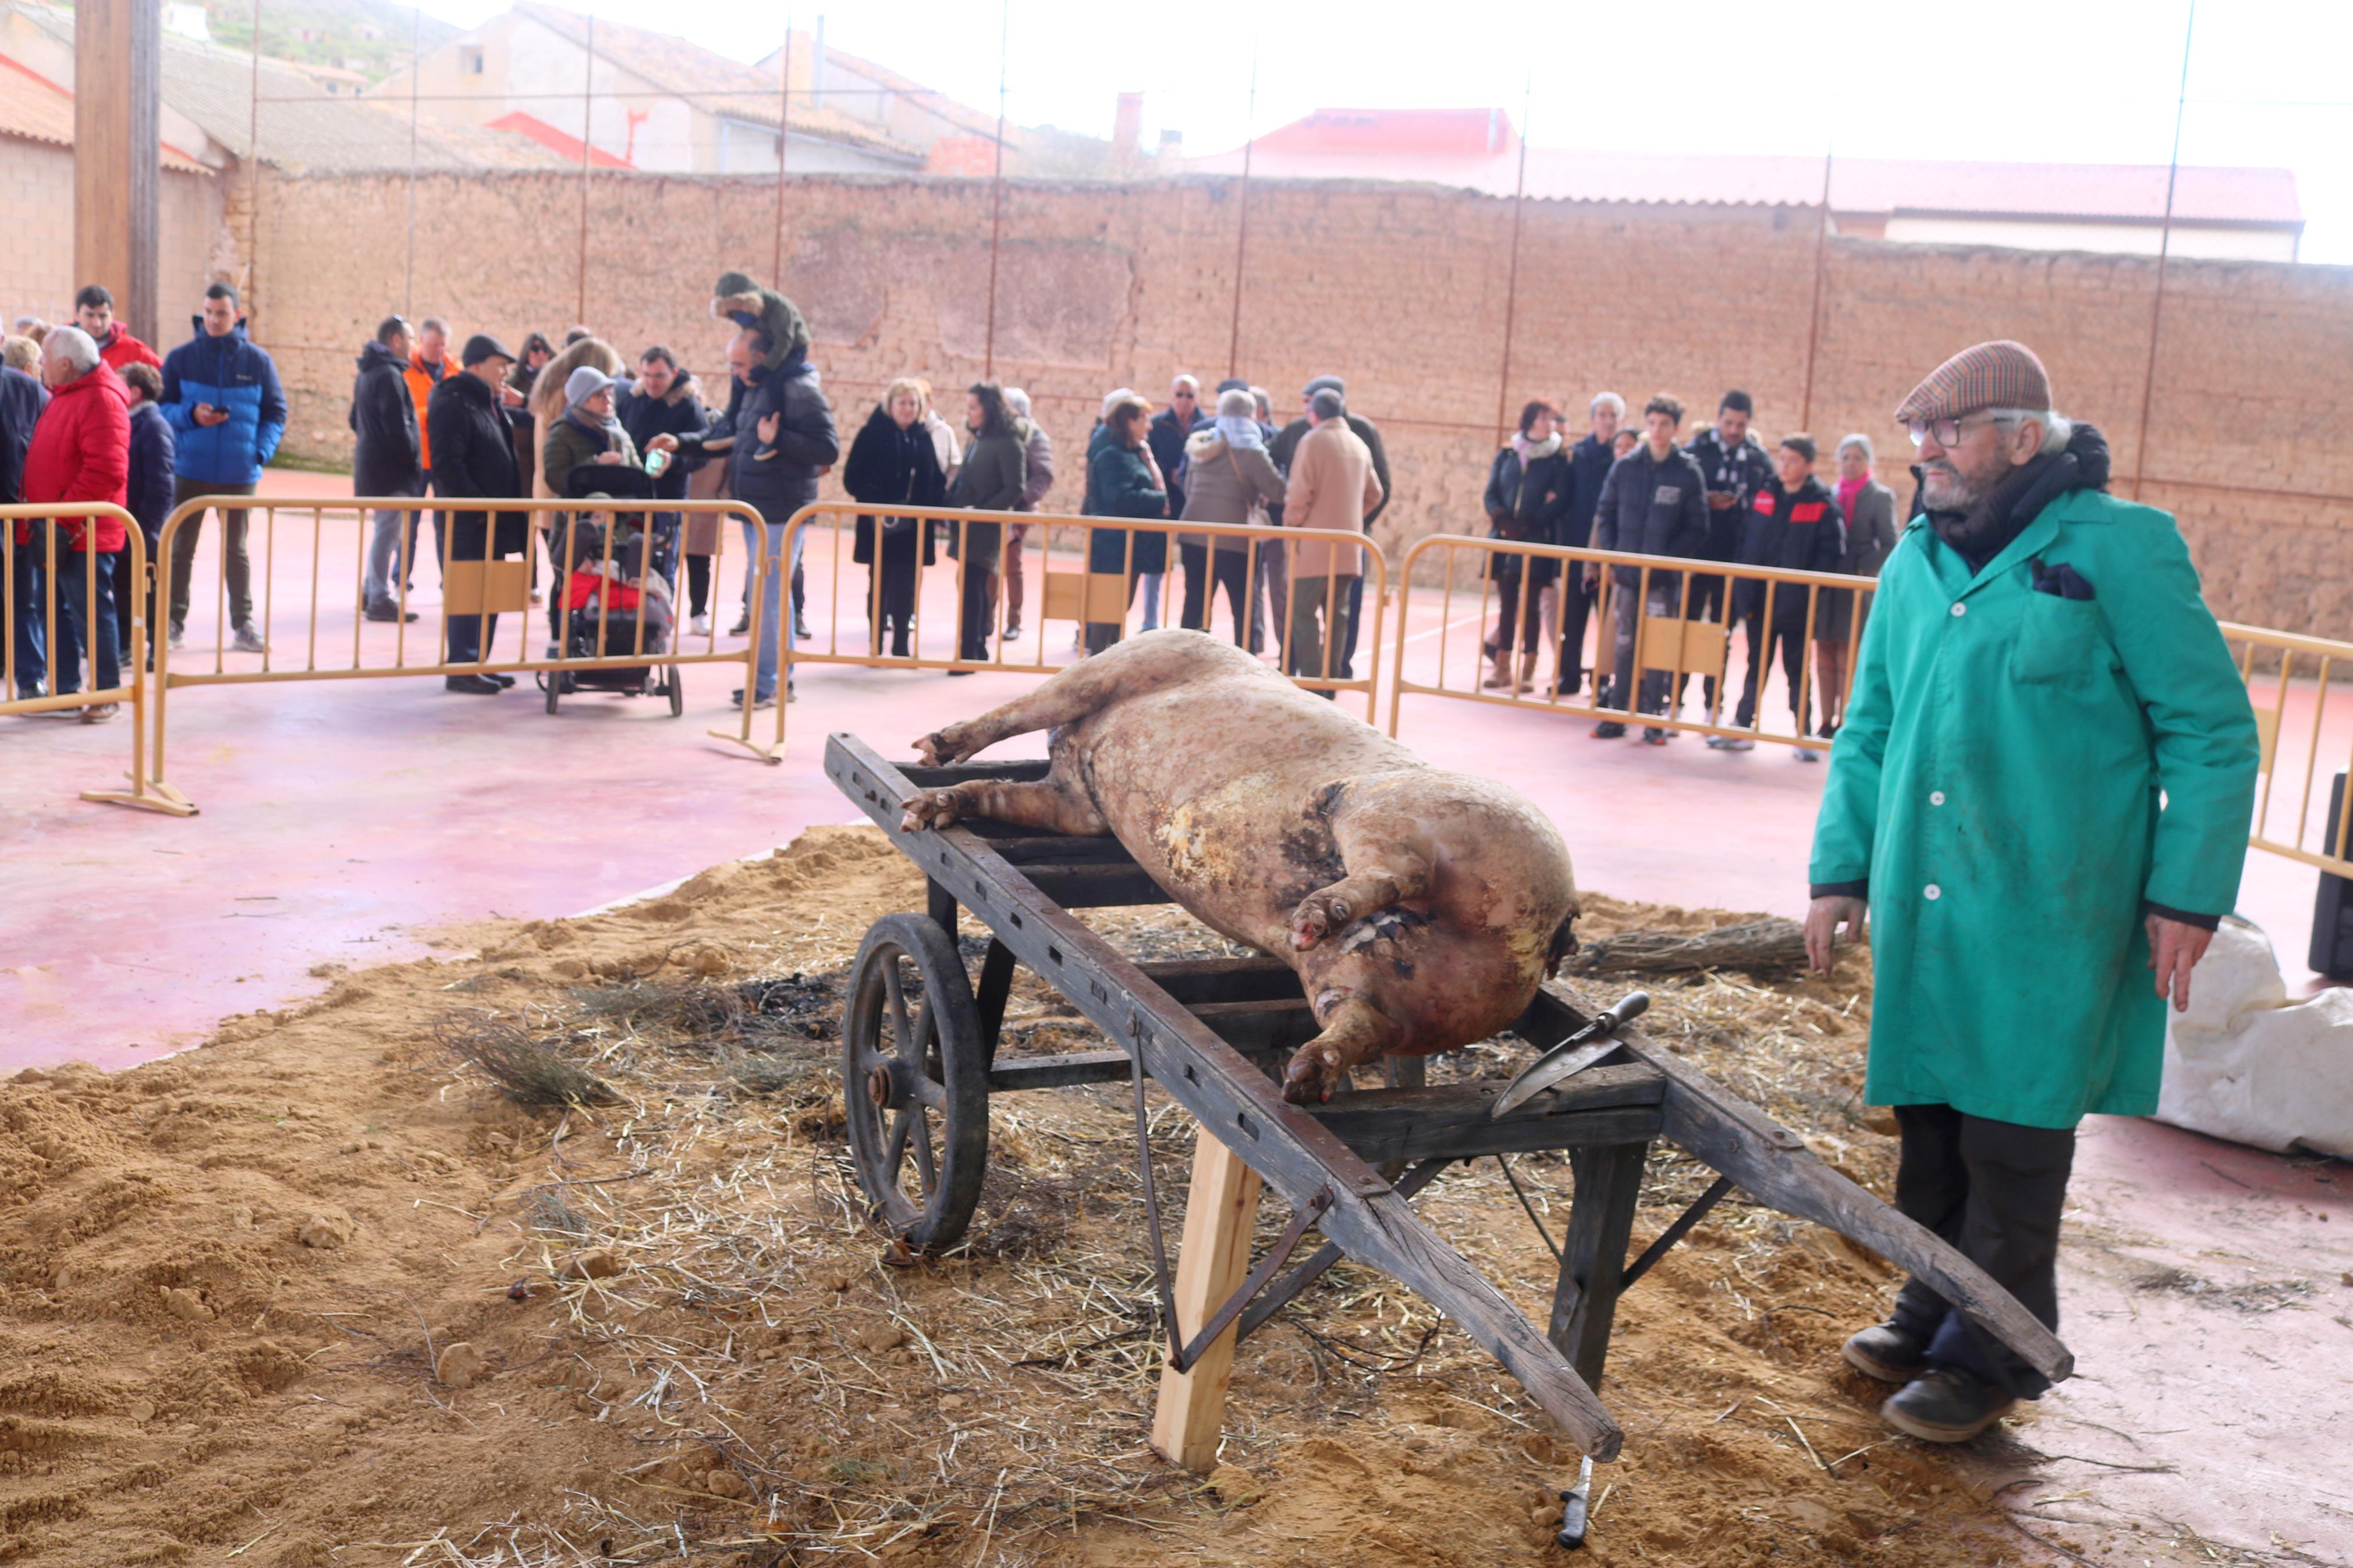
point(34, 107)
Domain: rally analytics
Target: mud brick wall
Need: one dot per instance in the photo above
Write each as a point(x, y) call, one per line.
point(1403, 289)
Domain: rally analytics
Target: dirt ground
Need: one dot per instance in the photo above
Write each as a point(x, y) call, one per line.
point(319, 1293)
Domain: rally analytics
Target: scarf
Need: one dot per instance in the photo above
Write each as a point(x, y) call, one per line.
point(1846, 490)
point(1529, 451)
point(608, 428)
point(1243, 435)
point(1985, 531)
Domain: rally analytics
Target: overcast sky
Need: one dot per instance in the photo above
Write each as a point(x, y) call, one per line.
point(2063, 80)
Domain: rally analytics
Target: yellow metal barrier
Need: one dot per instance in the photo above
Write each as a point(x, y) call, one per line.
point(471, 589)
point(29, 577)
point(1669, 644)
point(1053, 553)
point(2291, 719)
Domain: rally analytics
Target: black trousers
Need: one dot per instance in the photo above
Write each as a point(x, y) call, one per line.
point(1348, 668)
point(1707, 603)
point(1576, 606)
point(1994, 1190)
point(698, 582)
point(896, 599)
point(1515, 574)
point(974, 615)
point(1206, 572)
point(1762, 640)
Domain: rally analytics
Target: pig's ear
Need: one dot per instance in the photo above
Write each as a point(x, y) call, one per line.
point(1564, 944)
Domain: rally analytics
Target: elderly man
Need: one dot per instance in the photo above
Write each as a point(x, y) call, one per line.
point(80, 453)
point(1333, 485)
point(1589, 462)
point(2043, 787)
point(467, 422)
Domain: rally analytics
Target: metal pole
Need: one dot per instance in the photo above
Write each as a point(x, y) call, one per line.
point(997, 192)
point(416, 62)
point(1512, 284)
point(2164, 252)
point(253, 169)
point(587, 127)
point(1814, 319)
point(1242, 227)
point(783, 133)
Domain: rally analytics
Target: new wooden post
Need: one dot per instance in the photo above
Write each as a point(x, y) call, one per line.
point(118, 99)
point(1220, 1218)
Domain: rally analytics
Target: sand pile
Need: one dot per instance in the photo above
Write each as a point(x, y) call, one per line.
point(320, 1293)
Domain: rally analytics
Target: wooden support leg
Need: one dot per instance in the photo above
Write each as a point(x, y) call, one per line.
point(1593, 1255)
point(1220, 1218)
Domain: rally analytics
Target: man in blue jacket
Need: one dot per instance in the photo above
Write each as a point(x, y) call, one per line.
point(221, 395)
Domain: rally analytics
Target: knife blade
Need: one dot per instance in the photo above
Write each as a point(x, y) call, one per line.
point(1573, 1055)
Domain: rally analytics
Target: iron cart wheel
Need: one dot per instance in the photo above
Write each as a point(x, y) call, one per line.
point(554, 688)
point(914, 1078)
point(677, 692)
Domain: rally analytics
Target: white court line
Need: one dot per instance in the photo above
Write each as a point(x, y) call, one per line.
point(1441, 631)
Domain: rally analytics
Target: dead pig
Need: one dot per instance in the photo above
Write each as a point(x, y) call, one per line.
point(1420, 907)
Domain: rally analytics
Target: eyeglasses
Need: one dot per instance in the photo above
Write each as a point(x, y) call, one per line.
point(1948, 432)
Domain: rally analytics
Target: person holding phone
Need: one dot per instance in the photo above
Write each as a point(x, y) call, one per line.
point(227, 414)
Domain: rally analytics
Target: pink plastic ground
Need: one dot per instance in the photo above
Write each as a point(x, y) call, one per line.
point(342, 820)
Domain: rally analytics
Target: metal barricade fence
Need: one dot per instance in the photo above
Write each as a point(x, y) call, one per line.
point(40, 580)
point(2294, 718)
point(1308, 627)
point(1647, 614)
point(478, 584)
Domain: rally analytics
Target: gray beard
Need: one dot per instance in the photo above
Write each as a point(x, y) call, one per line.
point(1948, 490)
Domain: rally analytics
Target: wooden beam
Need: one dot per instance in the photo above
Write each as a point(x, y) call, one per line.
point(1220, 1218)
point(118, 106)
point(1593, 1254)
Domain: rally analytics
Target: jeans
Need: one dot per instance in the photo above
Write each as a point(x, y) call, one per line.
point(127, 592)
point(1307, 643)
point(773, 594)
point(1994, 1190)
point(1517, 612)
point(1274, 587)
point(27, 604)
point(384, 553)
point(1151, 581)
point(74, 636)
point(1206, 572)
point(1629, 608)
point(236, 565)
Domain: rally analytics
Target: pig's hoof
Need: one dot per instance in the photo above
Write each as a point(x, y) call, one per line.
point(1317, 917)
point(934, 808)
point(1313, 1074)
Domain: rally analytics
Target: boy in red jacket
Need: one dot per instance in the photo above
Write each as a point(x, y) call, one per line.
point(94, 310)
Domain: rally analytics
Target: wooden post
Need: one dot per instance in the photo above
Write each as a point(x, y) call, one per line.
point(118, 104)
point(1593, 1254)
point(1220, 1218)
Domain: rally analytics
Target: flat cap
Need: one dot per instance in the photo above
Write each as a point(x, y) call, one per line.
point(482, 346)
point(1998, 375)
point(1324, 384)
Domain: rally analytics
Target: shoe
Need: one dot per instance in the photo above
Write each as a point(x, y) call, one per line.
point(1501, 678)
point(1806, 754)
point(699, 626)
point(1887, 1353)
point(537, 597)
point(956, 672)
point(1012, 630)
point(742, 624)
point(1945, 1404)
point(735, 698)
point(1610, 730)
point(178, 637)
point(504, 681)
point(1731, 744)
point(1653, 736)
point(801, 631)
point(100, 712)
point(474, 685)
point(248, 640)
point(387, 611)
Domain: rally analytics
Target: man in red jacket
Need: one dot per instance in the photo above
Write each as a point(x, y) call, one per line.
point(80, 452)
point(94, 309)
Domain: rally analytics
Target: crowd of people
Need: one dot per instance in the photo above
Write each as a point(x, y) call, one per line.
point(1722, 497)
point(88, 412)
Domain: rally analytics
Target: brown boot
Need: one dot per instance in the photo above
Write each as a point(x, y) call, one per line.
point(1527, 681)
point(1502, 676)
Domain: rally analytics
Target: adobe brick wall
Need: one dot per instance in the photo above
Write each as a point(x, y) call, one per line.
point(36, 236)
point(1401, 289)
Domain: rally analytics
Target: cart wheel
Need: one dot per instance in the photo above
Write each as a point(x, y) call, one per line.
point(677, 692)
point(554, 688)
point(915, 1081)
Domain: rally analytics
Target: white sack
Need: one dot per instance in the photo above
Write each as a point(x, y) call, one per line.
point(2244, 1065)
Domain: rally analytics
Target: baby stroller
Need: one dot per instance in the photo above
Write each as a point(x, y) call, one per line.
point(608, 588)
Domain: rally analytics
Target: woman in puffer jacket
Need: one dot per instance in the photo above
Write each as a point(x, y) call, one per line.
point(1528, 490)
point(1227, 478)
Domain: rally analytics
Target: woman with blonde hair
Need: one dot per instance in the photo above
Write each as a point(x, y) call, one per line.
point(893, 462)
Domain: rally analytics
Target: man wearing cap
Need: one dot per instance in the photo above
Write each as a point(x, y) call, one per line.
point(472, 438)
point(1370, 434)
point(2042, 788)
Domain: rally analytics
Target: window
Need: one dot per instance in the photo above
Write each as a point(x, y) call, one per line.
point(470, 60)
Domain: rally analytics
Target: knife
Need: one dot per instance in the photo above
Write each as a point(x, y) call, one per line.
point(1573, 1055)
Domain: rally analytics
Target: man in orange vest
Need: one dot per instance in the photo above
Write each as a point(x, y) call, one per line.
point(428, 364)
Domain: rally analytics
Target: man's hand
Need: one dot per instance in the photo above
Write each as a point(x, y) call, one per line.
point(2174, 950)
point(1592, 578)
point(769, 426)
point(665, 442)
point(511, 397)
point(209, 415)
point(1822, 921)
point(1720, 501)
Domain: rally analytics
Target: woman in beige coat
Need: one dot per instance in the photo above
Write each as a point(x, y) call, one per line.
point(1228, 477)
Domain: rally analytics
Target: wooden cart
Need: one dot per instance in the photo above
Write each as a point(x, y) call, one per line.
point(919, 1062)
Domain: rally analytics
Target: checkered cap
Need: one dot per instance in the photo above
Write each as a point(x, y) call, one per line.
point(1998, 375)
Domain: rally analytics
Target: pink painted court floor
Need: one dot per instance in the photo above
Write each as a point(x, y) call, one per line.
point(2207, 1289)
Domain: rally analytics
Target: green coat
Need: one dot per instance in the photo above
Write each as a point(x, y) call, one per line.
point(1998, 781)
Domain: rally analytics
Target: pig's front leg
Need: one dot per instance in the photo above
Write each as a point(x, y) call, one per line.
point(1048, 803)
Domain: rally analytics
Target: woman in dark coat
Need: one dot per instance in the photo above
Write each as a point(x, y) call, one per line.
point(1529, 488)
point(894, 461)
point(995, 467)
point(1122, 481)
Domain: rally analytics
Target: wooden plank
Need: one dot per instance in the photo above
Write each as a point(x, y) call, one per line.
point(1192, 980)
point(1220, 1218)
point(1060, 850)
point(1773, 1166)
point(1029, 770)
point(1457, 1120)
point(1219, 1085)
point(1593, 1254)
point(1097, 887)
point(1260, 1025)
